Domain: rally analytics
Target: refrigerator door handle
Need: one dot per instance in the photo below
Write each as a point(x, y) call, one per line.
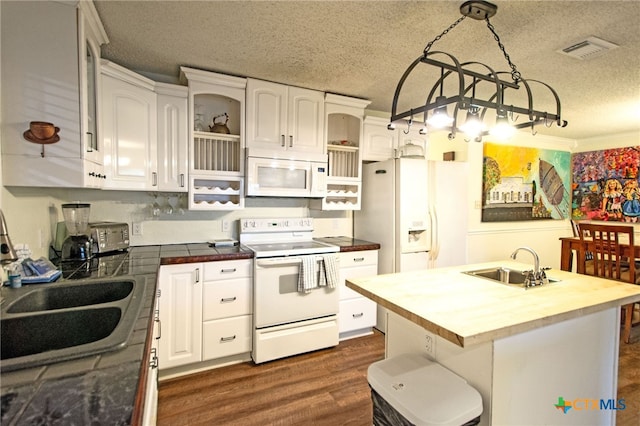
point(435, 238)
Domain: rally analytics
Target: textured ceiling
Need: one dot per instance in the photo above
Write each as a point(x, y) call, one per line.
point(361, 48)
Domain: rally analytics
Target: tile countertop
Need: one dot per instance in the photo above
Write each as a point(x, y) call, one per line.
point(350, 244)
point(102, 388)
point(467, 310)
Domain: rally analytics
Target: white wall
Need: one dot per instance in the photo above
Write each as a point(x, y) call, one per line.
point(497, 240)
point(32, 215)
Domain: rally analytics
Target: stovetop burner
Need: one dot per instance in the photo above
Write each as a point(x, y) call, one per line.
point(282, 237)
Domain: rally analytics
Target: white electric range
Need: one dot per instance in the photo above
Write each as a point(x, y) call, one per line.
point(287, 320)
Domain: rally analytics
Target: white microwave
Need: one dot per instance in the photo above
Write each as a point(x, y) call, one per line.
point(286, 176)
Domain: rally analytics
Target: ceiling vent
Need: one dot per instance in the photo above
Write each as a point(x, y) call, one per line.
point(590, 48)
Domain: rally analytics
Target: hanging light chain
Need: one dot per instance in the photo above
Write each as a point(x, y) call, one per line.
point(452, 26)
point(515, 74)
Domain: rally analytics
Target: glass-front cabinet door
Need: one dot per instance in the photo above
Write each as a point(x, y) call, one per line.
point(89, 53)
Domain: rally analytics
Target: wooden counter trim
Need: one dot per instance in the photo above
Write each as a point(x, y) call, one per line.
point(445, 302)
point(360, 247)
point(205, 258)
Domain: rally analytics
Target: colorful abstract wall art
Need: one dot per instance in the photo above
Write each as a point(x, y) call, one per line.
point(604, 185)
point(525, 183)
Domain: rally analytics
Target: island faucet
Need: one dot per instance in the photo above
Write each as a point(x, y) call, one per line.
point(537, 276)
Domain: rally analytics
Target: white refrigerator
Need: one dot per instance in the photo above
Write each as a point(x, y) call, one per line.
point(417, 211)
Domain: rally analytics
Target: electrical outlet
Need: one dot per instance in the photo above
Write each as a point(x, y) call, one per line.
point(225, 225)
point(430, 345)
point(137, 228)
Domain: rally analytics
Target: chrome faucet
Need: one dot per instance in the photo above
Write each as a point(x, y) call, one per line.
point(537, 276)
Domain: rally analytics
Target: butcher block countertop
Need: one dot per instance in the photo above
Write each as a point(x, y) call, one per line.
point(467, 310)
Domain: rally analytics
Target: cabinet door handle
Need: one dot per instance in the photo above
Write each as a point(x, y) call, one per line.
point(228, 339)
point(227, 270)
point(282, 138)
point(90, 144)
point(154, 358)
point(361, 314)
point(228, 299)
point(156, 318)
point(197, 275)
point(290, 141)
point(358, 259)
point(181, 180)
point(154, 179)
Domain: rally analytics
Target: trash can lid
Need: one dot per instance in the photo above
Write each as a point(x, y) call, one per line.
point(424, 392)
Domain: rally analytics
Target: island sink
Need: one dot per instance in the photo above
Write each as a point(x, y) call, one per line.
point(504, 275)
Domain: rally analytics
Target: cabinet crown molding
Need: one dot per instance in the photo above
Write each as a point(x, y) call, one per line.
point(121, 73)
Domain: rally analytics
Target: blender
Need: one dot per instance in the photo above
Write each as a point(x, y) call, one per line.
point(77, 246)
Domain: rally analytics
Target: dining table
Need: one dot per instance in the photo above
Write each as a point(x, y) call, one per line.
point(575, 244)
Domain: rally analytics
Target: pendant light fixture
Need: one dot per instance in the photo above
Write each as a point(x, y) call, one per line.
point(475, 89)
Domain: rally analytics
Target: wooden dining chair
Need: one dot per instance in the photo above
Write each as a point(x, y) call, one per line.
point(610, 260)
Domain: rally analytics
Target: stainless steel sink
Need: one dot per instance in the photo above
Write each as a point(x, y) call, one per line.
point(504, 275)
point(58, 322)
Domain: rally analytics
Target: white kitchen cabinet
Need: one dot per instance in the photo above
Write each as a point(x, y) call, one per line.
point(379, 143)
point(150, 413)
point(50, 73)
point(129, 129)
point(227, 306)
point(382, 144)
point(180, 306)
point(206, 313)
point(357, 314)
point(343, 128)
point(216, 161)
point(284, 118)
point(173, 137)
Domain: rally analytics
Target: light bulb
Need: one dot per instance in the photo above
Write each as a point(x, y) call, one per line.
point(472, 126)
point(440, 117)
point(502, 130)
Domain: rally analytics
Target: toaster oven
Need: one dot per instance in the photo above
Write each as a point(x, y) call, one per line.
point(109, 236)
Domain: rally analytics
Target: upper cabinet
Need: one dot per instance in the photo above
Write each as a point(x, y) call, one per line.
point(50, 72)
point(216, 129)
point(284, 118)
point(343, 126)
point(129, 129)
point(173, 136)
point(382, 144)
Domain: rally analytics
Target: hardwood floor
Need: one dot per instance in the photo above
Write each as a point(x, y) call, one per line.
point(327, 387)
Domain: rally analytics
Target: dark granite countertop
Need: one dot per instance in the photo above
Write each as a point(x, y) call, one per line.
point(99, 389)
point(102, 389)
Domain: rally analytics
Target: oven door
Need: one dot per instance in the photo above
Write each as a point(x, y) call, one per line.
point(277, 300)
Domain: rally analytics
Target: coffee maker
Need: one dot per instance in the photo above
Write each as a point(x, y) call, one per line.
point(77, 246)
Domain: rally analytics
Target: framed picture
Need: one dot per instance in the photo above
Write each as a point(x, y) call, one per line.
point(524, 183)
point(604, 185)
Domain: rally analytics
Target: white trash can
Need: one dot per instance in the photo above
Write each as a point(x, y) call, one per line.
point(410, 389)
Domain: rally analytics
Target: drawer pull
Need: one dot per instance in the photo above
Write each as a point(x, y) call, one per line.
point(227, 271)
point(358, 259)
point(361, 314)
point(228, 339)
point(228, 299)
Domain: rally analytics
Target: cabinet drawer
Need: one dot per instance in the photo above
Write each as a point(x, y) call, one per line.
point(356, 314)
point(226, 337)
point(228, 298)
point(358, 258)
point(227, 269)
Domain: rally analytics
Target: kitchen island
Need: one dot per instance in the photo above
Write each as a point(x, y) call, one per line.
point(526, 351)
